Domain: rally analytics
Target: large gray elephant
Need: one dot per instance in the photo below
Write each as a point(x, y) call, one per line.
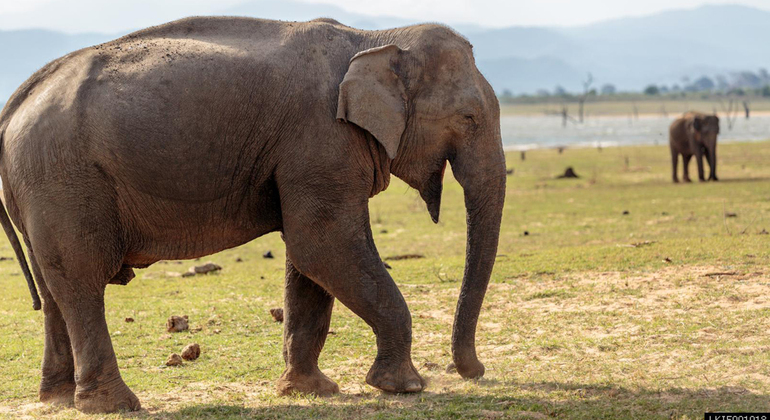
point(694, 134)
point(199, 135)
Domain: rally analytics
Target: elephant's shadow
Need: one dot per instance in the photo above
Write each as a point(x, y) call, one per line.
point(537, 400)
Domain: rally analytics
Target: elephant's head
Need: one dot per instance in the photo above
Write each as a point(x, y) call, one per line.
point(425, 101)
point(704, 129)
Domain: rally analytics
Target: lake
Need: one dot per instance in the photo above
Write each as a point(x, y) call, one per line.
point(528, 132)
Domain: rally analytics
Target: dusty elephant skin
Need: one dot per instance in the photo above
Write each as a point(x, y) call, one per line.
point(185, 139)
point(694, 134)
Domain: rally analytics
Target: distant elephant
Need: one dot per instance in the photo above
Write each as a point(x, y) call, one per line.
point(694, 134)
point(202, 134)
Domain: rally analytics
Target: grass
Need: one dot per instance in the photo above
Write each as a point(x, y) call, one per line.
point(663, 312)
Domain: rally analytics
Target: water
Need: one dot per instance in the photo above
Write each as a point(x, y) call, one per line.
point(528, 132)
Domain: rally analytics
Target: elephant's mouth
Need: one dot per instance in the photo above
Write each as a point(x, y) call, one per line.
point(431, 192)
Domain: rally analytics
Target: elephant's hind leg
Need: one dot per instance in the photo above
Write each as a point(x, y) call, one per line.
point(78, 254)
point(686, 167)
point(307, 315)
point(58, 383)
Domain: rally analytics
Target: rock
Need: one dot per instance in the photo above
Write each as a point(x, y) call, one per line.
point(277, 314)
point(384, 231)
point(239, 259)
point(763, 232)
point(209, 267)
point(730, 214)
point(6, 259)
point(626, 212)
point(191, 351)
point(174, 360)
point(568, 173)
point(177, 324)
point(175, 274)
point(509, 171)
point(526, 233)
point(430, 366)
point(188, 274)
point(667, 259)
point(129, 319)
point(217, 331)
point(268, 255)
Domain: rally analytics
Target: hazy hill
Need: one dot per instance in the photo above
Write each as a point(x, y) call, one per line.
point(628, 52)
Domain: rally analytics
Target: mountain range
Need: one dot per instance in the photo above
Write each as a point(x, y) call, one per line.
point(629, 53)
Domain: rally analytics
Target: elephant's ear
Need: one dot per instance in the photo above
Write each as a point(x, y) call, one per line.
point(373, 97)
point(697, 124)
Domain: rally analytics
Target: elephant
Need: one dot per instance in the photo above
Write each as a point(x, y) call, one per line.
point(696, 134)
point(199, 135)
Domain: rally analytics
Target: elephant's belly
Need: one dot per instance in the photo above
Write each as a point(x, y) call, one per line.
point(168, 229)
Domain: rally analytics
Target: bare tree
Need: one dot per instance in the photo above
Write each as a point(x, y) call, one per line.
point(582, 99)
point(730, 110)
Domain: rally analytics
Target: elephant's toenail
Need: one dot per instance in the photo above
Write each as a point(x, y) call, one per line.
point(413, 386)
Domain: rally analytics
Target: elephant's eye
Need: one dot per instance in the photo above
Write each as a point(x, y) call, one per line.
point(470, 122)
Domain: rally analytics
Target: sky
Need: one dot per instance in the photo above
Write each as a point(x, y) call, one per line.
point(119, 15)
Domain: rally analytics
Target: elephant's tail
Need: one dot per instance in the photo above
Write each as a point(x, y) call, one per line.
point(16, 245)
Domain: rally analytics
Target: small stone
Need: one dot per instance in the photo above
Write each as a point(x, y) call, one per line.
point(239, 259)
point(174, 360)
point(217, 331)
point(383, 231)
point(667, 259)
point(526, 233)
point(268, 255)
point(129, 319)
point(191, 351)
point(730, 214)
point(431, 366)
point(626, 212)
point(277, 314)
point(177, 324)
point(209, 267)
point(188, 274)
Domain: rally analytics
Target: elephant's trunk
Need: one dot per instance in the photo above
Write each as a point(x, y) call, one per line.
point(482, 176)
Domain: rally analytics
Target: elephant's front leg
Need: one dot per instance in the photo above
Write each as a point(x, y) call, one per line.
point(335, 248)
point(58, 383)
point(307, 315)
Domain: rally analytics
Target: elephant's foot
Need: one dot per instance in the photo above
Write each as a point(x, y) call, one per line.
point(401, 378)
point(62, 393)
point(107, 398)
point(688, 180)
point(315, 383)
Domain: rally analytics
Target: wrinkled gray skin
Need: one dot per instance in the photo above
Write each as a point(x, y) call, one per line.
point(185, 139)
point(694, 134)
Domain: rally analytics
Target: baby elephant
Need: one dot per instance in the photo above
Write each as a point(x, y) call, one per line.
point(694, 134)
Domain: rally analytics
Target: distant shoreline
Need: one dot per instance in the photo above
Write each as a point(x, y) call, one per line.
point(609, 145)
